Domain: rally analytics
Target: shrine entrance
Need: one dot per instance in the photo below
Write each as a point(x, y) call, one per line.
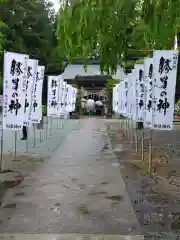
point(91, 81)
point(93, 87)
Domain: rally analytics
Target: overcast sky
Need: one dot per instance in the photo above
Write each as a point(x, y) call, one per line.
point(56, 4)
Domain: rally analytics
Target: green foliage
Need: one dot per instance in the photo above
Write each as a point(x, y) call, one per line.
point(111, 83)
point(3, 27)
point(128, 64)
point(109, 91)
point(78, 102)
point(88, 26)
point(139, 61)
point(31, 29)
point(116, 31)
point(161, 22)
point(44, 110)
point(28, 26)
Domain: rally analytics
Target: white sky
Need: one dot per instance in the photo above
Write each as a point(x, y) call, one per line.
point(56, 5)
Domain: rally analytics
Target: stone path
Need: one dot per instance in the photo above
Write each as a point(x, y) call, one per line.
point(78, 191)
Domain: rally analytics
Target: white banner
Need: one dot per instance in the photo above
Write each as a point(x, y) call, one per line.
point(63, 97)
point(165, 69)
point(133, 92)
point(70, 95)
point(125, 97)
point(74, 98)
point(122, 109)
point(119, 109)
point(31, 78)
point(114, 98)
point(53, 87)
point(14, 90)
point(140, 97)
point(121, 102)
point(148, 80)
point(66, 97)
point(129, 97)
point(60, 95)
point(36, 114)
point(68, 89)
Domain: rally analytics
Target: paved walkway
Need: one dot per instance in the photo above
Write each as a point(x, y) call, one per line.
point(79, 190)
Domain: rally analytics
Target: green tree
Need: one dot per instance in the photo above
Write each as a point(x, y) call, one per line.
point(31, 28)
point(3, 28)
point(89, 26)
point(118, 30)
point(109, 93)
point(78, 108)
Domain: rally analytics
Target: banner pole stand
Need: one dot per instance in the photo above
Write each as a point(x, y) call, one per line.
point(43, 132)
point(142, 146)
point(123, 127)
point(52, 120)
point(40, 135)
point(136, 140)
point(120, 123)
point(27, 144)
point(47, 125)
point(2, 134)
point(132, 136)
point(34, 135)
point(128, 129)
point(57, 123)
point(15, 145)
point(51, 126)
point(60, 122)
point(150, 151)
point(63, 121)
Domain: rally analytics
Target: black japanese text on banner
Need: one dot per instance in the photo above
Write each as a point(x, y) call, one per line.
point(148, 81)
point(60, 95)
point(63, 97)
point(165, 70)
point(74, 99)
point(129, 96)
point(119, 99)
point(133, 96)
point(36, 114)
point(121, 96)
point(70, 98)
point(66, 97)
point(114, 97)
point(125, 97)
point(31, 78)
point(14, 90)
point(139, 68)
point(53, 87)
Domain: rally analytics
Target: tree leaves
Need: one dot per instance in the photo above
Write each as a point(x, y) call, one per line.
point(30, 28)
point(113, 27)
